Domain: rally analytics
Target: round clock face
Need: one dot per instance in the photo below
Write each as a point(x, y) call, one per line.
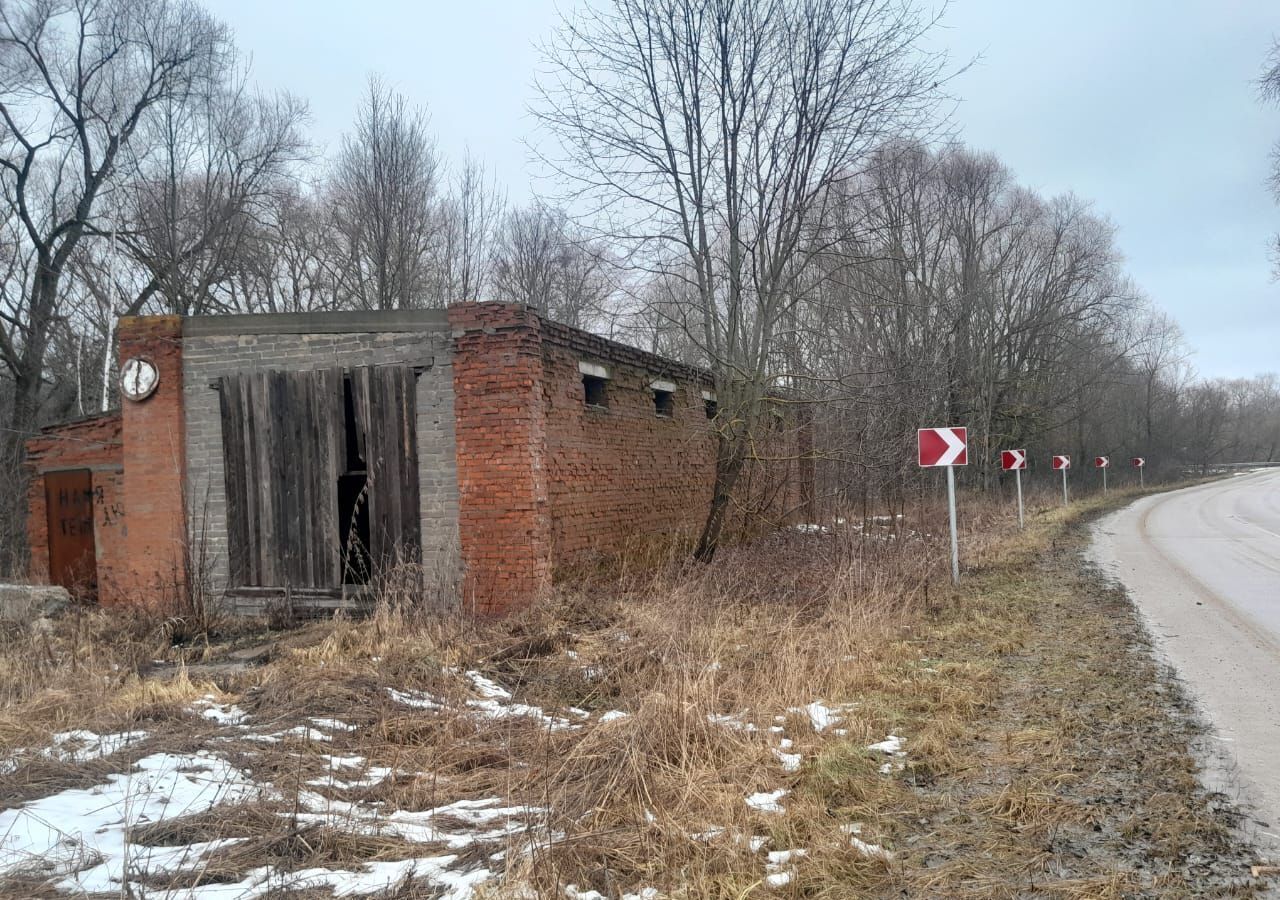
point(139, 378)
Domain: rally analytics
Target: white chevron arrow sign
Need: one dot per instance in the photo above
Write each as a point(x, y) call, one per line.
point(943, 446)
point(1012, 460)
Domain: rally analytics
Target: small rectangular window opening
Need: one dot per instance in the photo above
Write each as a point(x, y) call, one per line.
point(664, 398)
point(709, 403)
point(664, 403)
point(595, 378)
point(594, 393)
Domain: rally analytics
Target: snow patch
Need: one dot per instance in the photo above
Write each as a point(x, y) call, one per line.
point(222, 713)
point(82, 745)
point(415, 699)
point(331, 724)
point(790, 761)
point(891, 745)
point(734, 721)
point(80, 834)
point(767, 802)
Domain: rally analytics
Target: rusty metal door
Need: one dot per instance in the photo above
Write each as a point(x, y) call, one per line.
point(72, 556)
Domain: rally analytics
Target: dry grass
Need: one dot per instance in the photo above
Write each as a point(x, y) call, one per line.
point(1039, 759)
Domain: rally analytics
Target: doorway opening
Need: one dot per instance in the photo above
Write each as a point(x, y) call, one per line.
point(353, 495)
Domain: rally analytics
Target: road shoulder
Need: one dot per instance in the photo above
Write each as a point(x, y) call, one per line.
point(1086, 762)
point(1219, 657)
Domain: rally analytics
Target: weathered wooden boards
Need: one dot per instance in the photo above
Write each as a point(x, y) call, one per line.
point(385, 419)
point(284, 443)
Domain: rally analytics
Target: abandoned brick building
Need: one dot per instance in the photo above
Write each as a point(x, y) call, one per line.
point(293, 455)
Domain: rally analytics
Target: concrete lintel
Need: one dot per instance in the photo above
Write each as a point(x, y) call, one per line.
point(345, 322)
point(418, 366)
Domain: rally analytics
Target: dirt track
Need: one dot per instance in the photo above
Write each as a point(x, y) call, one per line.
point(1203, 566)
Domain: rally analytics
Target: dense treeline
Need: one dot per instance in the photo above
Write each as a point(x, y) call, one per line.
point(973, 300)
point(841, 257)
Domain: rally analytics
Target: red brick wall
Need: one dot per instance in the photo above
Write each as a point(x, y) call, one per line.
point(546, 482)
point(88, 444)
point(500, 428)
point(622, 473)
point(154, 461)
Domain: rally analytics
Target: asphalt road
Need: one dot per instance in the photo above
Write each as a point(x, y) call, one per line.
point(1203, 566)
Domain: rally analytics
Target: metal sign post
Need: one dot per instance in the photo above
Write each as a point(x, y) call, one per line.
point(1103, 463)
point(955, 543)
point(946, 447)
point(1063, 463)
point(1139, 463)
point(1017, 461)
point(1017, 474)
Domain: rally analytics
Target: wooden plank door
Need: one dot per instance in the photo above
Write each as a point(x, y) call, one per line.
point(282, 436)
point(73, 561)
point(385, 400)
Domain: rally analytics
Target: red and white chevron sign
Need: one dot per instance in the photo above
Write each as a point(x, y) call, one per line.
point(1138, 462)
point(1013, 459)
point(1101, 462)
point(943, 446)
point(1062, 462)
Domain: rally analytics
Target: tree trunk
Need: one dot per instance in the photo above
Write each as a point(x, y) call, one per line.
point(13, 508)
point(22, 423)
point(730, 459)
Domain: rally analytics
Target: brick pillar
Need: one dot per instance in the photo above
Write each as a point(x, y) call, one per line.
point(37, 524)
point(500, 418)
point(154, 463)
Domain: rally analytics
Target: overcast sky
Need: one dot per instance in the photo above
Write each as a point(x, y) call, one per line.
point(1144, 107)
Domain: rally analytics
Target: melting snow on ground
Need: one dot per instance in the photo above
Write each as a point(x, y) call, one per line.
point(342, 768)
point(778, 868)
point(77, 746)
point(495, 702)
point(86, 841)
point(821, 716)
point(80, 834)
point(734, 721)
point(890, 746)
point(415, 699)
point(768, 801)
point(853, 829)
point(572, 892)
point(790, 761)
point(79, 839)
point(222, 713)
point(82, 746)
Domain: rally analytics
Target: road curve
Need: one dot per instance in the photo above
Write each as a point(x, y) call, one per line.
point(1203, 566)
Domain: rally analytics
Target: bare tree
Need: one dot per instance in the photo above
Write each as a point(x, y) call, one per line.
point(385, 211)
point(1269, 89)
point(288, 266)
point(217, 165)
point(543, 261)
point(472, 212)
point(78, 80)
point(713, 132)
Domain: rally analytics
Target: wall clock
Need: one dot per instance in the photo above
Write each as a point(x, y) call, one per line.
point(139, 378)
